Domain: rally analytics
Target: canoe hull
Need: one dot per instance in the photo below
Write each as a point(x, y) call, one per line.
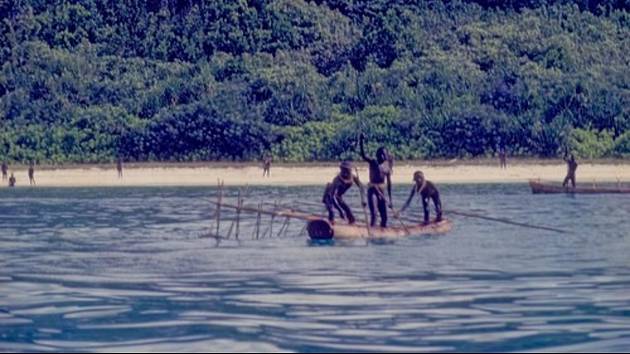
point(321, 229)
point(548, 188)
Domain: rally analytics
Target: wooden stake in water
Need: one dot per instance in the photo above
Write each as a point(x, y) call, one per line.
point(220, 200)
point(239, 203)
point(229, 234)
point(258, 221)
point(284, 226)
point(273, 217)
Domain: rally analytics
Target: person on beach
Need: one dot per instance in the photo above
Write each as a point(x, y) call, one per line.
point(267, 165)
point(31, 173)
point(333, 195)
point(380, 176)
point(5, 170)
point(572, 166)
point(426, 190)
point(12, 180)
point(119, 167)
point(503, 157)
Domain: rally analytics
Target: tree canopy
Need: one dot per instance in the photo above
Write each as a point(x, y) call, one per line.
point(90, 80)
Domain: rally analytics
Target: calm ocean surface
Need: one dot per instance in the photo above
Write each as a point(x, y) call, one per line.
point(125, 269)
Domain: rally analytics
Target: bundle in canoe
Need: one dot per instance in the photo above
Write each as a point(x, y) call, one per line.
point(539, 187)
point(321, 229)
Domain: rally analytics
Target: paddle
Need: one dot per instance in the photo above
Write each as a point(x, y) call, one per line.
point(397, 217)
point(391, 207)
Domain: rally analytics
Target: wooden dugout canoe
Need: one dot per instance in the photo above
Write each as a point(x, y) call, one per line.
point(539, 187)
point(321, 229)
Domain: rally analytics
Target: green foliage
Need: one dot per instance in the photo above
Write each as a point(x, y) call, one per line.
point(86, 81)
point(591, 144)
point(622, 146)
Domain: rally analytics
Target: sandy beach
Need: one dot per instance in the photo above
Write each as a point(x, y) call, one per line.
point(235, 174)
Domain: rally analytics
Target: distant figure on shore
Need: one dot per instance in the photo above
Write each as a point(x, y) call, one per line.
point(333, 195)
point(427, 190)
point(5, 170)
point(267, 165)
point(12, 180)
point(503, 157)
point(119, 167)
point(380, 178)
point(572, 166)
point(31, 173)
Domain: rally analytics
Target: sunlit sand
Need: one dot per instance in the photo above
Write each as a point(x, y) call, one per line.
point(207, 174)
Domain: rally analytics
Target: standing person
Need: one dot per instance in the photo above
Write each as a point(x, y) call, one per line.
point(119, 167)
point(31, 173)
point(572, 166)
point(426, 190)
point(12, 180)
point(333, 195)
point(5, 170)
point(267, 165)
point(380, 177)
point(503, 157)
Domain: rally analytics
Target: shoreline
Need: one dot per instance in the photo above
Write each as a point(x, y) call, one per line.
point(485, 162)
point(312, 174)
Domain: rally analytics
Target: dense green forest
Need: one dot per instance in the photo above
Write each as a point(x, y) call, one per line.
point(151, 80)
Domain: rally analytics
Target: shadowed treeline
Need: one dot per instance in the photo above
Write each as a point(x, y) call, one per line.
point(87, 81)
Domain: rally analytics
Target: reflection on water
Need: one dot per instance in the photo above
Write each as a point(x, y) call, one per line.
point(126, 270)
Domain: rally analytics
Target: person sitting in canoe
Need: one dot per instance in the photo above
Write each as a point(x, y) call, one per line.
point(333, 195)
point(427, 190)
point(572, 166)
point(380, 175)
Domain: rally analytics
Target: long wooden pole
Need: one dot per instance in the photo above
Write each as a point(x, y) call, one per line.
point(400, 221)
point(292, 213)
point(505, 221)
point(365, 215)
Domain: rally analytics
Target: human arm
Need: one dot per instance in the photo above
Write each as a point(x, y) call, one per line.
point(409, 199)
point(362, 149)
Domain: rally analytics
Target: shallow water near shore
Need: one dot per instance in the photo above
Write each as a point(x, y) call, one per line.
point(128, 269)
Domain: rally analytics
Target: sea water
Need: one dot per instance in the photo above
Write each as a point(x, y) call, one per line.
point(131, 269)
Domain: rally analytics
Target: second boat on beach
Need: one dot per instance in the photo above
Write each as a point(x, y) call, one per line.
point(539, 187)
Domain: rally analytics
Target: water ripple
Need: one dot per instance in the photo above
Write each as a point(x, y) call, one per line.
point(125, 270)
